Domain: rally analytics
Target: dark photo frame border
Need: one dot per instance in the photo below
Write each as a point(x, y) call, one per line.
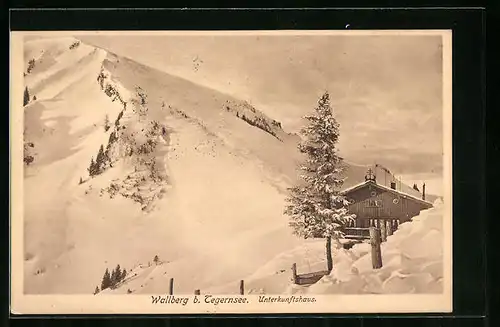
point(469, 139)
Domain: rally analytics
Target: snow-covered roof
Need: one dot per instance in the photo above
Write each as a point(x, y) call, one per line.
point(400, 193)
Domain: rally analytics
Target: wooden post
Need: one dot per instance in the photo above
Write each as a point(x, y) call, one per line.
point(294, 273)
point(196, 292)
point(389, 227)
point(383, 231)
point(376, 252)
point(171, 287)
point(242, 287)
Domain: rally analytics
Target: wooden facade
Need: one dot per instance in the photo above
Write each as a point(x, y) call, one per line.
point(375, 204)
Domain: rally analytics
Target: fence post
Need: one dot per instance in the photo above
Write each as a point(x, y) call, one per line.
point(389, 227)
point(376, 252)
point(242, 287)
point(171, 287)
point(294, 273)
point(196, 292)
point(383, 231)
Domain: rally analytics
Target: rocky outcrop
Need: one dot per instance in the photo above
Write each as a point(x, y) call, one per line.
point(251, 116)
point(139, 186)
point(28, 153)
point(135, 141)
point(74, 45)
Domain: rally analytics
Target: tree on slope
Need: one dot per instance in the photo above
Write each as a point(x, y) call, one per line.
point(92, 168)
point(116, 276)
point(100, 160)
point(106, 280)
point(114, 279)
point(106, 123)
point(315, 206)
point(26, 99)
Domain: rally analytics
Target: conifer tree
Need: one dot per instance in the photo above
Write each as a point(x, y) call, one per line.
point(106, 123)
point(106, 280)
point(26, 99)
point(124, 274)
point(116, 275)
point(315, 207)
point(100, 160)
point(156, 259)
point(96, 290)
point(92, 167)
point(113, 278)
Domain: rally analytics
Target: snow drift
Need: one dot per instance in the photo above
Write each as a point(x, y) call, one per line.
point(412, 262)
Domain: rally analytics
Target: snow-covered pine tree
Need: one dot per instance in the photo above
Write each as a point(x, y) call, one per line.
point(106, 280)
point(26, 99)
point(315, 206)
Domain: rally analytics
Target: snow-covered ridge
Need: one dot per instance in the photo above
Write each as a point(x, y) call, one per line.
point(169, 151)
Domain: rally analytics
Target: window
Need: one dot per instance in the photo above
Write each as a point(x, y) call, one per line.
point(374, 203)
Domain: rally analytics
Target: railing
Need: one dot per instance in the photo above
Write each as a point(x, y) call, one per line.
point(356, 233)
point(308, 278)
point(373, 234)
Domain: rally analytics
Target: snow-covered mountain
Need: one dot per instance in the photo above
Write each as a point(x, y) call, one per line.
point(184, 172)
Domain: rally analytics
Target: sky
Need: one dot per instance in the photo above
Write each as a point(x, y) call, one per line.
point(386, 91)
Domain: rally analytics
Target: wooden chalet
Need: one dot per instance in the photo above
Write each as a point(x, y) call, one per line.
point(376, 204)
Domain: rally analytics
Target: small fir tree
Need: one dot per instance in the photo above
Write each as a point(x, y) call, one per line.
point(106, 123)
point(26, 99)
point(92, 168)
point(124, 274)
point(96, 290)
point(100, 160)
point(113, 279)
point(316, 207)
point(117, 275)
point(156, 259)
point(106, 280)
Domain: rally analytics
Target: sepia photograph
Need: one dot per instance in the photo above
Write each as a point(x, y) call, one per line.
point(231, 172)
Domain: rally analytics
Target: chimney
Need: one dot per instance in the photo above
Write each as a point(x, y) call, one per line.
point(423, 192)
point(393, 185)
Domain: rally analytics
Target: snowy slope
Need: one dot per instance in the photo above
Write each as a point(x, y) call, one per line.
point(204, 214)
